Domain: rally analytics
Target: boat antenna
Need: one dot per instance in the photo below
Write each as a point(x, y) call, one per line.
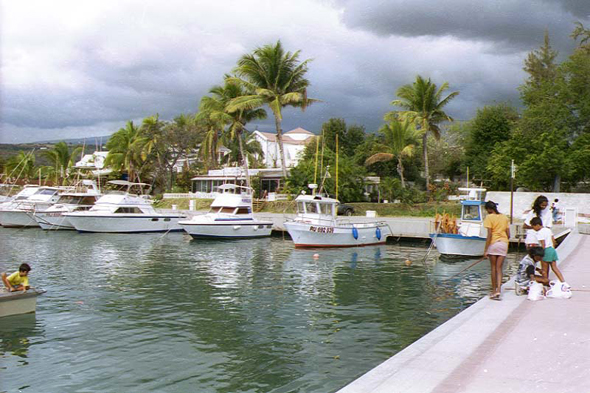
point(326, 175)
point(315, 173)
point(336, 166)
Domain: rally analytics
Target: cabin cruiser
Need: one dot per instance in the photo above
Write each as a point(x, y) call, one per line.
point(124, 212)
point(230, 216)
point(18, 213)
point(317, 225)
point(468, 237)
point(82, 198)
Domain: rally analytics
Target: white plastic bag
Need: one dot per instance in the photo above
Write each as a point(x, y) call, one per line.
point(559, 290)
point(536, 291)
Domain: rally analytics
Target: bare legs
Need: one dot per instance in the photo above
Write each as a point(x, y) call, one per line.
point(496, 262)
point(545, 270)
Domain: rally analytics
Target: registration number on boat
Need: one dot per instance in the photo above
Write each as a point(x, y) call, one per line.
point(321, 229)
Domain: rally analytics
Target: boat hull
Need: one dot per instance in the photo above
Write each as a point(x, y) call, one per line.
point(228, 229)
point(312, 235)
point(53, 221)
point(454, 244)
point(14, 303)
point(125, 224)
point(17, 219)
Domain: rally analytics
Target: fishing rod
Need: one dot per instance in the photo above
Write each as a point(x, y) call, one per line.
point(468, 267)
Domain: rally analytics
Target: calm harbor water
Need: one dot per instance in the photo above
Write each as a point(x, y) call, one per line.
point(153, 313)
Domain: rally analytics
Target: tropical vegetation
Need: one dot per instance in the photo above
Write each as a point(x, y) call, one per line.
point(546, 136)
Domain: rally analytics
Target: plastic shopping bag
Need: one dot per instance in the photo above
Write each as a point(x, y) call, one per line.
point(559, 290)
point(536, 291)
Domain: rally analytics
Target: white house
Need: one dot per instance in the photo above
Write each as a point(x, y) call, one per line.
point(294, 142)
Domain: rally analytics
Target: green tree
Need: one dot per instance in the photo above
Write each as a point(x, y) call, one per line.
point(126, 147)
point(349, 137)
point(61, 160)
point(249, 148)
point(400, 139)
point(424, 103)
point(275, 78)
point(22, 166)
point(492, 124)
point(217, 110)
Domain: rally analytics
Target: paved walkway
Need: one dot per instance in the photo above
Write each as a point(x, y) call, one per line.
point(515, 345)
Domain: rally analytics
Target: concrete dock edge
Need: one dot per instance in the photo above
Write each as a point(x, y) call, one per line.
point(500, 346)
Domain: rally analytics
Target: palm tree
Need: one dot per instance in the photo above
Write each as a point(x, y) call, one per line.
point(22, 165)
point(423, 106)
point(400, 139)
point(61, 160)
point(249, 148)
point(125, 149)
point(215, 111)
point(275, 78)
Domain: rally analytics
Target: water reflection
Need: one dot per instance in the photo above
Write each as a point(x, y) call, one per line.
point(16, 334)
point(170, 314)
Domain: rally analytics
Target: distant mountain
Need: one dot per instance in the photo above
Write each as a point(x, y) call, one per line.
point(91, 140)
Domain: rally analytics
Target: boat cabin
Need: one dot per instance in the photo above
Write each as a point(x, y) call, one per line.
point(316, 206)
point(472, 212)
point(233, 200)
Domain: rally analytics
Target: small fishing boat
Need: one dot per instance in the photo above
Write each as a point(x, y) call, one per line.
point(316, 225)
point(230, 216)
point(82, 198)
point(468, 237)
point(19, 302)
point(124, 212)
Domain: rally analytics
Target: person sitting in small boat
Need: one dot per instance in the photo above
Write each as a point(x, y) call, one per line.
point(17, 281)
point(527, 269)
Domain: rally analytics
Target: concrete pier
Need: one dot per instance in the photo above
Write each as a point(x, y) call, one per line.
point(513, 345)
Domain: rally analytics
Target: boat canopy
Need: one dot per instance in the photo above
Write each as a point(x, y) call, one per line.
point(229, 186)
point(127, 183)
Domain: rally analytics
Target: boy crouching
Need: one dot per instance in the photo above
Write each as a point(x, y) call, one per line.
point(526, 271)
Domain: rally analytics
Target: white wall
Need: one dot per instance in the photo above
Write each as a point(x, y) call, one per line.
point(523, 201)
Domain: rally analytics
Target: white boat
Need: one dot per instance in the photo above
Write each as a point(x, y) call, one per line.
point(470, 239)
point(317, 225)
point(19, 302)
point(124, 212)
point(230, 216)
point(18, 213)
point(82, 198)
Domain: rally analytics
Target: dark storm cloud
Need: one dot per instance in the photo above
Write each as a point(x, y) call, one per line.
point(132, 59)
point(511, 25)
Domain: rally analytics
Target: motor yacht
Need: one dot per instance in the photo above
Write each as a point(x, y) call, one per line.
point(124, 212)
point(230, 216)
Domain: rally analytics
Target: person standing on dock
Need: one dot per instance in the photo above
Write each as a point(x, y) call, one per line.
point(496, 247)
point(555, 210)
point(541, 210)
point(17, 281)
point(547, 241)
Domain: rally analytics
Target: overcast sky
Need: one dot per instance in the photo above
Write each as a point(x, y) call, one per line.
point(76, 68)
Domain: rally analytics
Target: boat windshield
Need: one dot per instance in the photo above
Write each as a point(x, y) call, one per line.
point(471, 213)
point(326, 208)
point(311, 207)
point(243, 210)
point(46, 192)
